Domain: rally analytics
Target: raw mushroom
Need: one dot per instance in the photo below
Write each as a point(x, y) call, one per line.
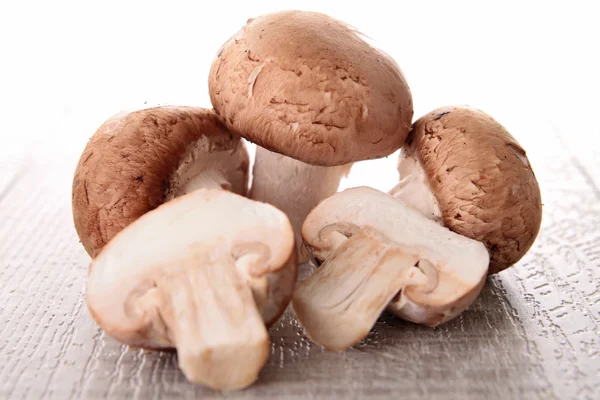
point(201, 273)
point(206, 269)
point(380, 253)
point(315, 96)
point(463, 169)
point(137, 161)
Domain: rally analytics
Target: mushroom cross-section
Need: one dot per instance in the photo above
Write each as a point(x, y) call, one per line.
point(136, 161)
point(378, 253)
point(315, 97)
point(463, 169)
point(201, 273)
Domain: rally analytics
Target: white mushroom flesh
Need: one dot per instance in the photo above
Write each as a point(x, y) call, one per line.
point(393, 257)
point(194, 274)
point(414, 189)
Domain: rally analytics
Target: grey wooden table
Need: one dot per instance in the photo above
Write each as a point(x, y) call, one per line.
point(533, 333)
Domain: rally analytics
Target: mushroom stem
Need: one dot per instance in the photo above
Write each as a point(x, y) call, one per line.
point(414, 189)
point(219, 334)
point(339, 304)
point(207, 179)
point(293, 186)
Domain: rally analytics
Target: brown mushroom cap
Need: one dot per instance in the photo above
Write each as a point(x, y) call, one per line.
point(482, 179)
point(308, 86)
point(131, 165)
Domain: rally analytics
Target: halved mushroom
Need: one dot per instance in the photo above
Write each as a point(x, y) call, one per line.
point(463, 169)
point(201, 273)
point(315, 97)
point(139, 160)
point(380, 253)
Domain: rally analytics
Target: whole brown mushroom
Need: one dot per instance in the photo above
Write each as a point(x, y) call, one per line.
point(316, 97)
point(136, 161)
point(464, 169)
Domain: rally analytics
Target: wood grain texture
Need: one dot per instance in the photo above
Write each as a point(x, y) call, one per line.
point(533, 333)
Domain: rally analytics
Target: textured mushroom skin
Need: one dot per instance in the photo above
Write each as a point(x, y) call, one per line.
point(482, 179)
point(125, 169)
point(306, 85)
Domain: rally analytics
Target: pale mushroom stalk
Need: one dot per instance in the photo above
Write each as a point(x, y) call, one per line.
point(209, 179)
point(220, 337)
point(380, 254)
point(293, 186)
point(352, 288)
point(413, 187)
point(203, 166)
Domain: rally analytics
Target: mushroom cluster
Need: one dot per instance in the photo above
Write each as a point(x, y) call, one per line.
point(185, 255)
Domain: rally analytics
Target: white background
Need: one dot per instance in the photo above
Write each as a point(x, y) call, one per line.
point(67, 66)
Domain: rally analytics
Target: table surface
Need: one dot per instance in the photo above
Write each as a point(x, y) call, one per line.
point(534, 332)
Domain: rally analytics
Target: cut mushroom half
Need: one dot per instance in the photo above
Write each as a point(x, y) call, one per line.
point(378, 253)
point(202, 273)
